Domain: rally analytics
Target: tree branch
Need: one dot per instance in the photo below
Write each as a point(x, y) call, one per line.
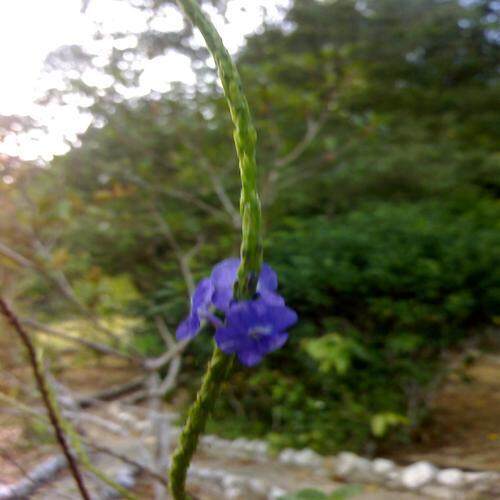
point(181, 259)
point(127, 460)
point(175, 348)
point(221, 193)
point(36, 478)
point(111, 393)
point(44, 392)
point(16, 257)
point(89, 344)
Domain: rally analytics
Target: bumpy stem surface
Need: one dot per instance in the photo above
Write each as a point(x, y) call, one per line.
point(251, 243)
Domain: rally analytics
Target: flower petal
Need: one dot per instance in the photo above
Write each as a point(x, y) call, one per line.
point(223, 277)
point(202, 296)
point(272, 298)
point(268, 279)
point(231, 341)
point(282, 317)
point(271, 343)
point(188, 328)
point(249, 357)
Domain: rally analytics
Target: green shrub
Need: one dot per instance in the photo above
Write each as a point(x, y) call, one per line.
point(381, 294)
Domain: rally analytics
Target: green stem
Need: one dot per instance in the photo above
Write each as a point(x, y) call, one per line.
point(245, 139)
point(196, 420)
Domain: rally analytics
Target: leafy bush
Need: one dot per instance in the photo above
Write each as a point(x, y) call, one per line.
point(341, 493)
point(382, 293)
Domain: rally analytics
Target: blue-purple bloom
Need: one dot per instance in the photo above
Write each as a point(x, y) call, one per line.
point(201, 303)
point(252, 328)
point(224, 276)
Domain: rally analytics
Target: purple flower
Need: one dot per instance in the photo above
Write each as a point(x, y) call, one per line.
point(224, 276)
point(201, 303)
point(217, 291)
point(253, 329)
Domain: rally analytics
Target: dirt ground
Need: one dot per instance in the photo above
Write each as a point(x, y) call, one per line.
point(464, 431)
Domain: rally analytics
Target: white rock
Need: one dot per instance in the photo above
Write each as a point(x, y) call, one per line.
point(383, 466)
point(451, 477)
point(346, 463)
point(257, 486)
point(286, 456)
point(240, 443)
point(234, 494)
point(208, 440)
point(276, 492)
point(207, 473)
point(222, 443)
point(142, 425)
point(260, 448)
point(125, 417)
point(231, 481)
point(353, 466)
point(418, 474)
point(435, 491)
point(4, 490)
point(126, 478)
point(478, 477)
point(307, 458)
point(394, 478)
point(203, 473)
point(256, 446)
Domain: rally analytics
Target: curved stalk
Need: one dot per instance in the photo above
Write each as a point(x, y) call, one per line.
point(245, 139)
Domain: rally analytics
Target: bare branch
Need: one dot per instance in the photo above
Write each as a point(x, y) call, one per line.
point(81, 451)
point(61, 281)
point(44, 392)
point(16, 257)
point(7, 457)
point(164, 331)
point(58, 278)
point(181, 259)
point(170, 380)
point(157, 363)
point(160, 430)
point(94, 346)
point(221, 193)
point(49, 468)
point(111, 393)
point(78, 416)
point(34, 412)
point(312, 131)
point(36, 478)
point(173, 371)
point(313, 127)
point(128, 460)
point(177, 194)
point(85, 4)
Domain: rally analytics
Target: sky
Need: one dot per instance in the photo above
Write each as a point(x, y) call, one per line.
point(31, 29)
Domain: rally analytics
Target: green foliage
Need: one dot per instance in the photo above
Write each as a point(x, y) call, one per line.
point(401, 284)
point(334, 352)
point(382, 422)
point(307, 494)
point(379, 179)
point(339, 494)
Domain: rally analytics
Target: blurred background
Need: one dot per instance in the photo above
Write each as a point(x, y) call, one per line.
point(377, 130)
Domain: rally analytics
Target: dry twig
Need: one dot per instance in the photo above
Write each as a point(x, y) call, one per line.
point(44, 392)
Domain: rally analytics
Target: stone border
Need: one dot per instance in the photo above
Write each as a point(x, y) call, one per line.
point(424, 477)
point(419, 477)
